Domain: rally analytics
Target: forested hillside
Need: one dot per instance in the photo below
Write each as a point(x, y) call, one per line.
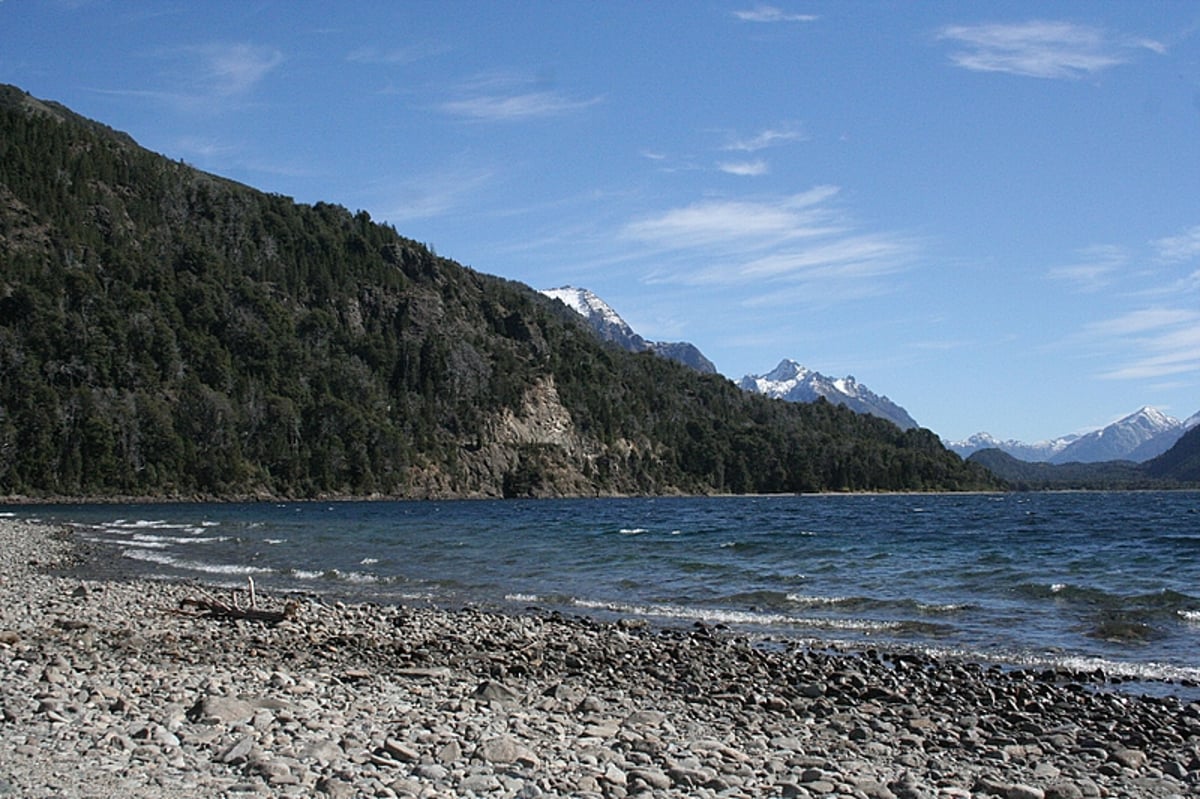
point(165, 332)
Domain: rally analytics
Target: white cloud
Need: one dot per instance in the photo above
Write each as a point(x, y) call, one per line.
point(505, 107)
point(1160, 342)
point(507, 96)
point(210, 78)
point(1143, 321)
point(235, 69)
point(1040, 48)
point(1098, 267)
point(772, 249)
point(767, 138)
point(737, 223)
point(369, 54)
point(744, 168)
point(1183, 247)
point(433, 195)
point(764, 13)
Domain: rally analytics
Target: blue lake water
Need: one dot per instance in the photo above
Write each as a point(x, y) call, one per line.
point(1087, 580)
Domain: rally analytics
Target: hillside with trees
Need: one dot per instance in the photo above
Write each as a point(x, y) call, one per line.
point(169, 333)
point(1178, 467)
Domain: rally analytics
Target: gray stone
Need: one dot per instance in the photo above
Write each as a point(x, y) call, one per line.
point(401, 751)
point(653, 777)
point(238, 752)
point(1129, 758)
point(492, 691)
point(1020, 791)
point(505, 749)
point(1063, 790)
point(220, 710)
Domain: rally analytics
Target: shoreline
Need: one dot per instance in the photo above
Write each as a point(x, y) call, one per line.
point(118, 499)
point(106, 688)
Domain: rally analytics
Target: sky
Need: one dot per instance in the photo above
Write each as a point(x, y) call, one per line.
point(988, 212)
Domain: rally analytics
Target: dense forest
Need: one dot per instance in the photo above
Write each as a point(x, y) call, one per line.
point(168, 333)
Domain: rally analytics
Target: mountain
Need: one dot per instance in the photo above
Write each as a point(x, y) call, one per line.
point(792, 382)
point(1182, 461)
point(1041, 451)
point(1026, 475)
point(1138, 437)
point(1178, 467)
point(609, 325)
point(169, 333)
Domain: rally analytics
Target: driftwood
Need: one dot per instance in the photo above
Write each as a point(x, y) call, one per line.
point(211, 607)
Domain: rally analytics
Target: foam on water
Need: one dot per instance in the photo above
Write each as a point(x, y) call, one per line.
point(156, 556)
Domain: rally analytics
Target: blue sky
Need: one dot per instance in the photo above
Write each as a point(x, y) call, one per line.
point(988, 212)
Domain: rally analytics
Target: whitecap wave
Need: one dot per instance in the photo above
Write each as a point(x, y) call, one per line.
point(738, 617)
point(145, 539)
point(163, 559)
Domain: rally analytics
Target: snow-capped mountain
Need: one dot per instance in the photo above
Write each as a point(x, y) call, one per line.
point(609, 325)
point(1039, 451)
point(1139, 437)
point(791, 381)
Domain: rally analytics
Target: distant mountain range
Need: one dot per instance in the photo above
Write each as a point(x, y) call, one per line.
point(791, 381)
point(1178, 467)
point(788, 381)
point(609, 325)
point(1138, 437)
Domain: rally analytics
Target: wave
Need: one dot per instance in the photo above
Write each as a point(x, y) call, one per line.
point(163, 559)
point(716, 616)
point(337, 575)
point(869, 603)
point(1165, 599)
point(145, 524)
point(166, 540)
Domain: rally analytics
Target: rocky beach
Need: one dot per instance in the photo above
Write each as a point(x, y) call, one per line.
point(150, 688)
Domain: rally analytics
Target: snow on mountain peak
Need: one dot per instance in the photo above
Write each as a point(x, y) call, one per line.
point(795, 383)
point(587, 304)
point(1138, 437)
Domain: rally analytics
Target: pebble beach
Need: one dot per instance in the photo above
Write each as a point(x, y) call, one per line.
point(112, 687)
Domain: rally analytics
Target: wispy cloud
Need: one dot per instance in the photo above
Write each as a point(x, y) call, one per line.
point(1162, 342)
point(501, 108)
point(763, 13)
point(1097, 268)
point(765, 246)
point(370, 54)
point(212, 77)
point(1040, 48)
point(771, 137)
point(1183, 247)
point(230, 70)
point(738, 223)
point(433, 195)
point(503, 98)
point(744, 168)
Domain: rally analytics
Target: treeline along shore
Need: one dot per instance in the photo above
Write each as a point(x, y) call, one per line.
point(152, 688)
